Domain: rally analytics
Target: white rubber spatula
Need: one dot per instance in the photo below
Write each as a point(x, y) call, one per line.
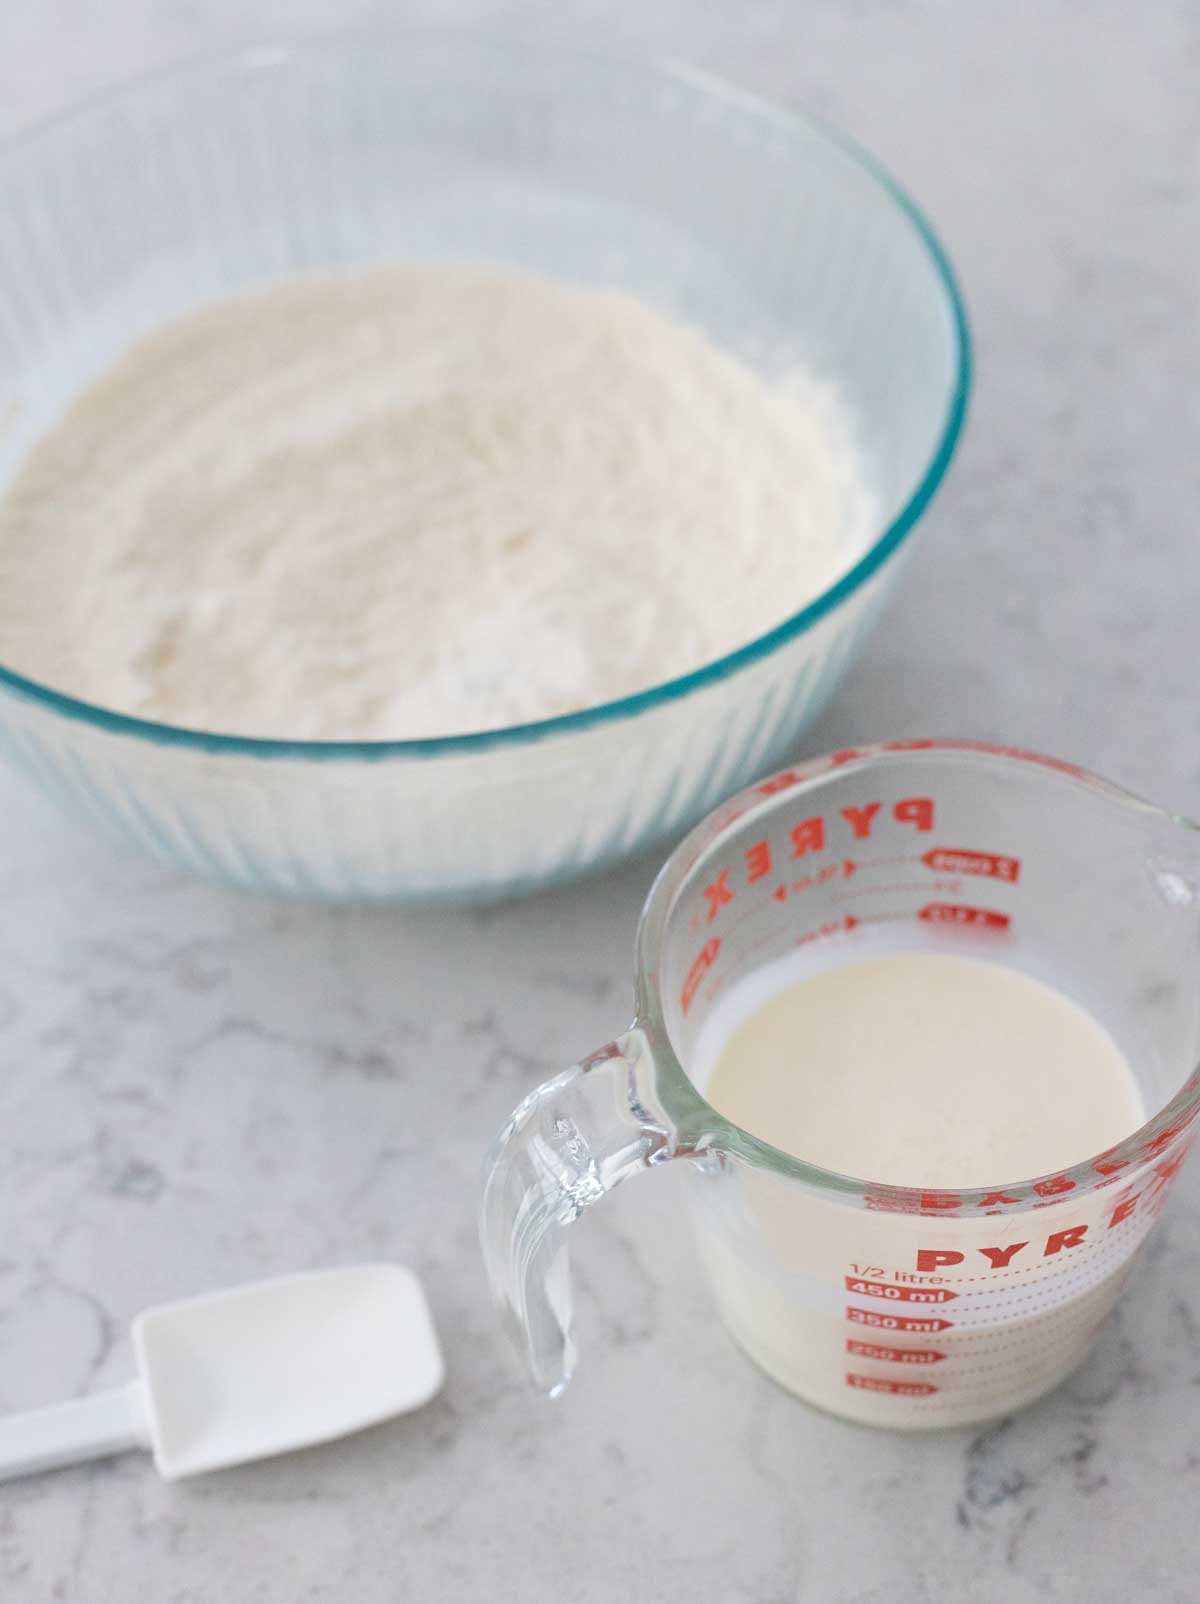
point(253, 1371)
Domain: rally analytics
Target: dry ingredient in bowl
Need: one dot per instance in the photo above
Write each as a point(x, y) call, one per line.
point(418, 501)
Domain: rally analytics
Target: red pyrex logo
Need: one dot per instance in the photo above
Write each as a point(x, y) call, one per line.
point(999, 1258)
point(810, 836)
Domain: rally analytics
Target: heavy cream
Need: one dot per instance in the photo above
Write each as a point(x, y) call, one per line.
point(922, 1070)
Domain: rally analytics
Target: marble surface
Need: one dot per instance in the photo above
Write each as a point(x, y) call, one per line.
point(197, 1088)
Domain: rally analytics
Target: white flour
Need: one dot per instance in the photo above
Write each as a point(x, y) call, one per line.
point(418, 502)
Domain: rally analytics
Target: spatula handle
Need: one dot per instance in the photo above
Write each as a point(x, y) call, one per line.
point(67, 1433)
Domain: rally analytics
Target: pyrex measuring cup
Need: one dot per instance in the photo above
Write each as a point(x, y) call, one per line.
point(888, 1305)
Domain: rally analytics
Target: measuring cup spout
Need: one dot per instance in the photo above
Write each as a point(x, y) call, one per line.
point(571, 1141)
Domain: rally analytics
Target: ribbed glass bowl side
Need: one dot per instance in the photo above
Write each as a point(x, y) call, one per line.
point(220, 177)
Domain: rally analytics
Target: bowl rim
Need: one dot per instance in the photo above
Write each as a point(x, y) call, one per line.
point(274, 54)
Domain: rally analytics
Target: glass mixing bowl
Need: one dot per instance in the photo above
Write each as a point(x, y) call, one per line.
point(769, 232)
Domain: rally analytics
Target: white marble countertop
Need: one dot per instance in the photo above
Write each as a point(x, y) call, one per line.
point(197, 1088)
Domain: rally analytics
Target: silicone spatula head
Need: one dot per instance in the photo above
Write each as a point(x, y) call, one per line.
point(250, 1372)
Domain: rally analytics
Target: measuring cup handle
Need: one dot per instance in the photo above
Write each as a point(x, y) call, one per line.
point(571, 1141)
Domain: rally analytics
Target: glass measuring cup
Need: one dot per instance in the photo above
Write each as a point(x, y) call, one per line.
point(885, 1304)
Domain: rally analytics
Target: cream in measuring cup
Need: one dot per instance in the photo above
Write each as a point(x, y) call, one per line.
point(920, 1067)
point(964, 974)
point(917, 1066)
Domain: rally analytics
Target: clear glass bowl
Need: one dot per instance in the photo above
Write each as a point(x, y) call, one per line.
point(769, 232)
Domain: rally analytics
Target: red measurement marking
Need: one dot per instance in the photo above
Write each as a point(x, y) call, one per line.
point(702, 963)
point(891, 888)
point(897, 1322)
point(1163, 1139)
point(902, 1389)
point(1161, 1177)
point(1017, 752)
point(1107, 1165)
point(1054, 1186)
point(986, 747)
point(820, 877)
point(957, 860)
point(900, 1356)
point(830, 928)
point(882, 1289)
point(948, 913)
